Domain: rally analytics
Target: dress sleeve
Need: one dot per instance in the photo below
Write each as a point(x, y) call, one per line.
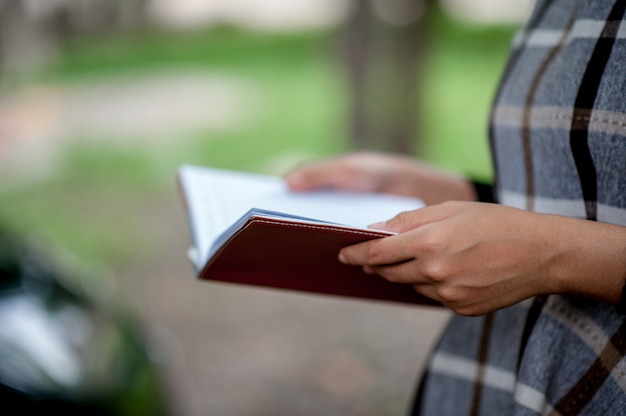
point(484, 191)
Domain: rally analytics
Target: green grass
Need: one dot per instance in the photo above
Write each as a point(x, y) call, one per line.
point(218, 48)
point(303, 101)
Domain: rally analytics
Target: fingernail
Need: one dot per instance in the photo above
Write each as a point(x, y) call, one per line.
point(378, 225)
point(341, 257)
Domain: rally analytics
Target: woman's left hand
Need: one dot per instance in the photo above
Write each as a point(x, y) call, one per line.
point(475, 257)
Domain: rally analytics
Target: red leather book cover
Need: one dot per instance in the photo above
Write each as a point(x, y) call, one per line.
point(301, 256)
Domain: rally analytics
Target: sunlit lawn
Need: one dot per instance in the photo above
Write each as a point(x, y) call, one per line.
point(90, 204)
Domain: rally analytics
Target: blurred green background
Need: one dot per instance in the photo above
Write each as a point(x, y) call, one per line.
point(297, 109)
point(95, 122)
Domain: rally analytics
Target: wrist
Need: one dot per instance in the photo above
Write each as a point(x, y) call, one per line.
point(592, 260)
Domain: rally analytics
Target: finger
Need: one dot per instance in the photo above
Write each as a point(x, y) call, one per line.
point(397, 274)
point(409, 220)
point(427, 290)
point(328, 173)
point(383, 251)
point(309, 177)
point(405, 272)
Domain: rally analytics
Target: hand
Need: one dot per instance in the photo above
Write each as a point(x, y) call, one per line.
point(475, 258)
point(377, 172)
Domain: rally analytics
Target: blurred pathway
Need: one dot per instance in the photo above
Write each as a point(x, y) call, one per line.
point(228, 350)
point(241, 351)
point(143, 108)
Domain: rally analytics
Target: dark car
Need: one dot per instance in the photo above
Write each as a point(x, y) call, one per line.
point(61, 351)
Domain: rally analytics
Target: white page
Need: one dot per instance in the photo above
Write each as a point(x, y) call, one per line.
point(218, 198)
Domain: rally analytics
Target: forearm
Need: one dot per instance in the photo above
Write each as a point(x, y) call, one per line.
point(591, 260)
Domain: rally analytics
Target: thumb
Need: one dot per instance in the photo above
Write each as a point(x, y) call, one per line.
point(314, 175)
point(331, 173)
point(307, 179)
point(407, 220)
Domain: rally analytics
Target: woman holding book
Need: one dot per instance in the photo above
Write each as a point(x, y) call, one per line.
point(537, 279)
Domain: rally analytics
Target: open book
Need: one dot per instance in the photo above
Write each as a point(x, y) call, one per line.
point(251, 229)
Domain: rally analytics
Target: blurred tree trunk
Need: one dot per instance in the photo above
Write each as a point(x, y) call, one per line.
point(384, 50)
point(25, 42)
point(31, 33)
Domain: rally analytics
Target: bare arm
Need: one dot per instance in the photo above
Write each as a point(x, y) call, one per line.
point(476, 257)
point(473, 257)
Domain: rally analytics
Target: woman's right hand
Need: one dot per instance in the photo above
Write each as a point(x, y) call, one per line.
point(379, 172)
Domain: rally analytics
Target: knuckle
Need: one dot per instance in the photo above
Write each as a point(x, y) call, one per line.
point(433, 243)
point(404, 218)
point(393, 277)
point(449, 295)
point(456, 300)
point(466, 310)
point(436, 272)
point(373, 253)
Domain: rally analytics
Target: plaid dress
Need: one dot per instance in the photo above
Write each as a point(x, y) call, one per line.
point(558, 137)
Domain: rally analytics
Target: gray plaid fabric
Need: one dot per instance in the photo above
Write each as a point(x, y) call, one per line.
point(558, 136)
